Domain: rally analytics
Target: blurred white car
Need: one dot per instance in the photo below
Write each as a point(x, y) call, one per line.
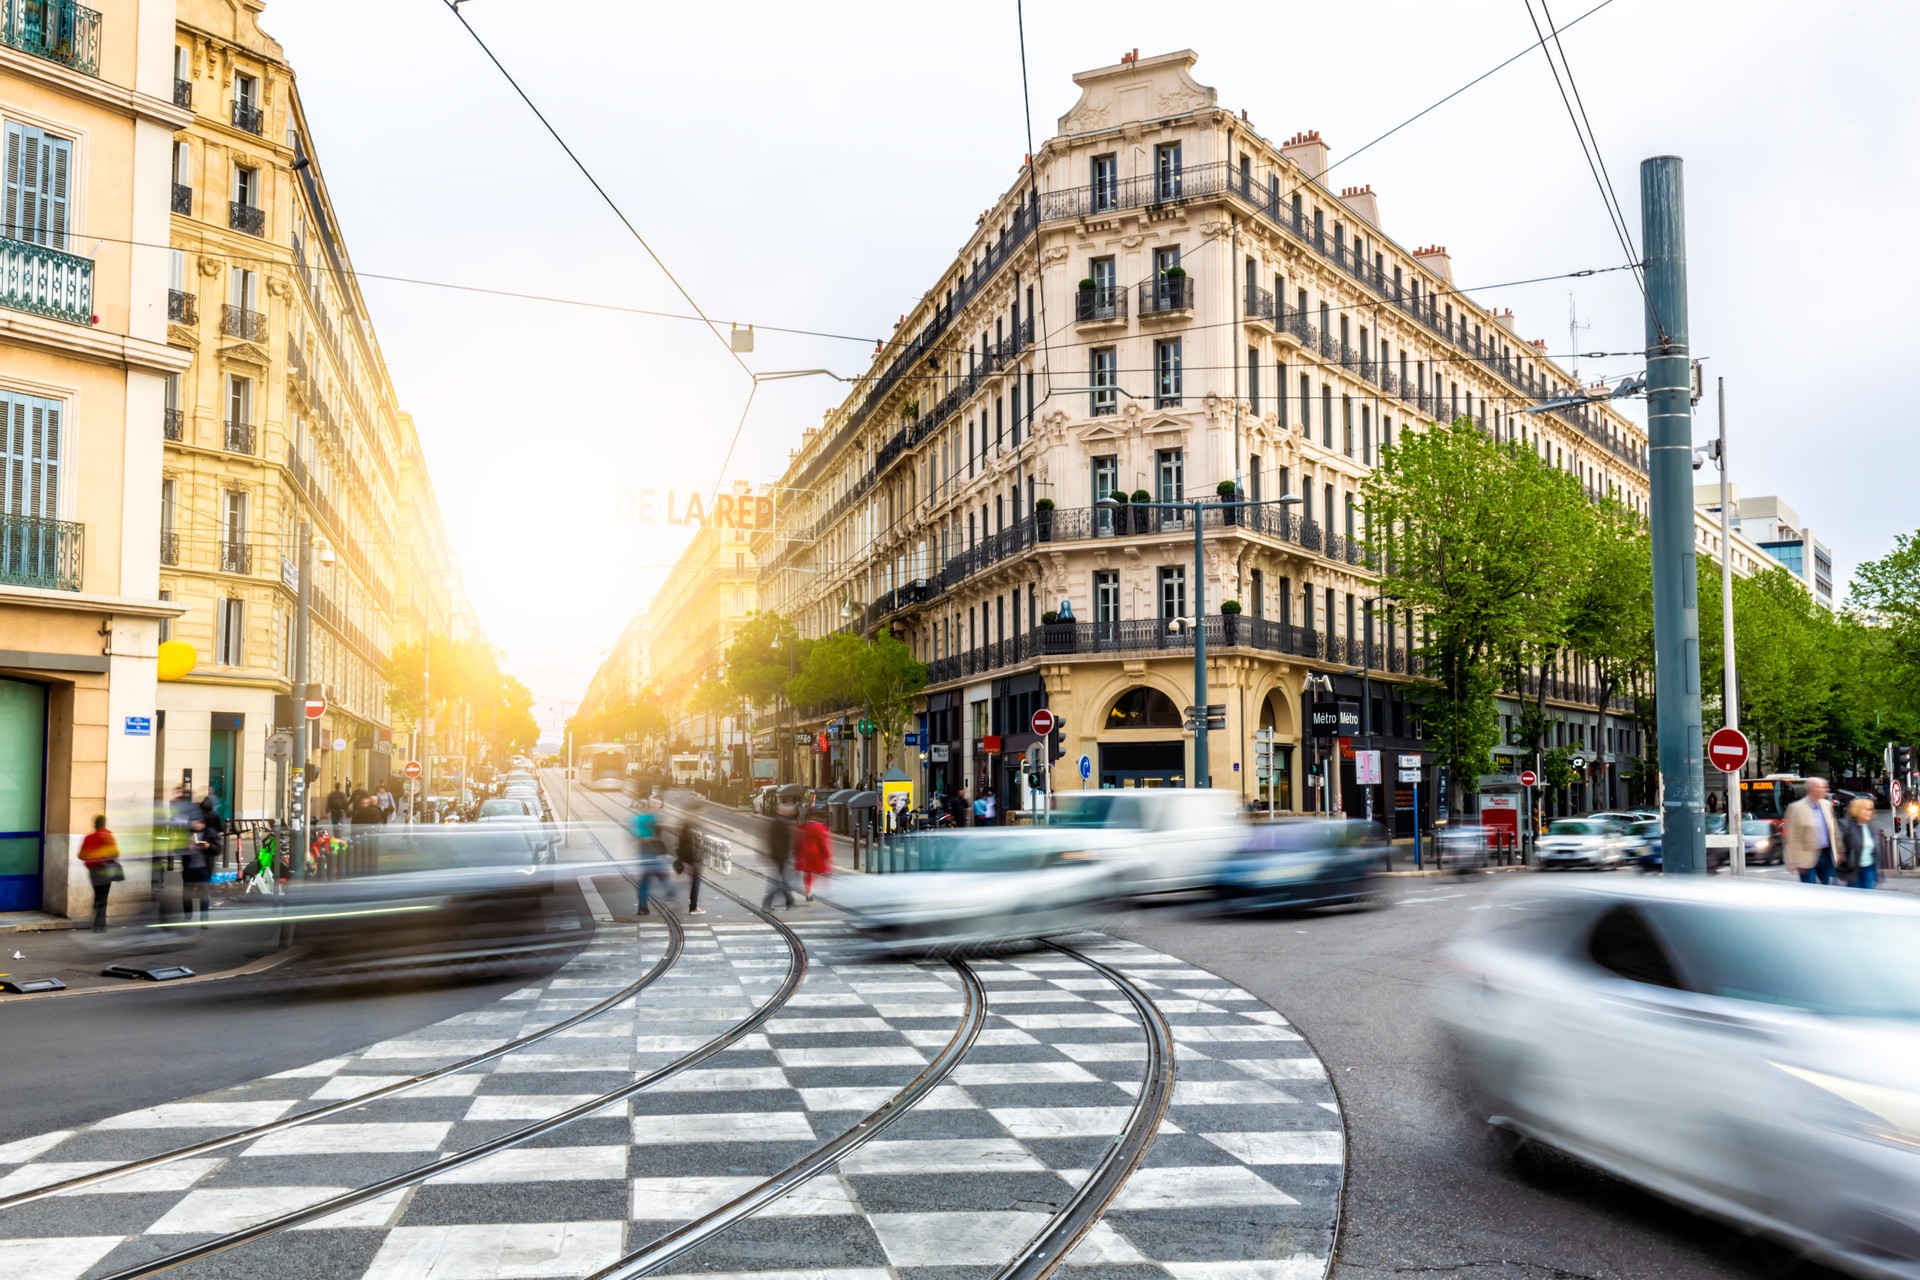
point(1742, 1048)
point(1758, 836)
point(1593, 844)
point(522, 812)
point(1160, 839)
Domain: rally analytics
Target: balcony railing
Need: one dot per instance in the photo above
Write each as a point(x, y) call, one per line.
point(173, 424)
point(38, 552)
point(246, 217)
point(46, 282)
point(1164, 295)
point(1133, 635)
point(248, 116)
point(169, 547)
point(238, 322)
point(1260, 305)
point(57, 30)
point(1100, 305)
point(183, 308)
point(183, 199)
point(235, 557)
point(240, 437)
point(182, 93)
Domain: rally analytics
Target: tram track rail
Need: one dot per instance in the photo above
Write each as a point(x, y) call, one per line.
point(676, 943)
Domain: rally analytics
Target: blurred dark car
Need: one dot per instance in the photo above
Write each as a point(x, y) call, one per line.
point(472, 900)
point(1308, 862)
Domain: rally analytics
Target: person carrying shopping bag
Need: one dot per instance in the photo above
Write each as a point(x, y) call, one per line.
point(100, 854)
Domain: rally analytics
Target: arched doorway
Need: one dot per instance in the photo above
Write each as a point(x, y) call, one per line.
point(1277, 789)
point(1151, 751)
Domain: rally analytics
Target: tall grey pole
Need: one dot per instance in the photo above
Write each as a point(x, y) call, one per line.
point(1676, 618)
point(1201, 773)
point(299, 822)
point(1729, 678)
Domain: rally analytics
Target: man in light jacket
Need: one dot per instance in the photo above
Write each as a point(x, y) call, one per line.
point(1812, 833)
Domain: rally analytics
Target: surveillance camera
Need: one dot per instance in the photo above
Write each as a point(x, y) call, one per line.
point(1177, 625)
point(1699, 459)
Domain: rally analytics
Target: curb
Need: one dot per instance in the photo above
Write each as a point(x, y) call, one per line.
point(272, 960)
point(1426, 873)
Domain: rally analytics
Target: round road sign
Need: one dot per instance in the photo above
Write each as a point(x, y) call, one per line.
point(1727, 750)
point(411, 768)
point(1528, 777)
point(316, 707)
point(1043, 722)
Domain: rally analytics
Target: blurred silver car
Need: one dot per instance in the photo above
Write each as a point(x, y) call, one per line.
point(1160, 839)
point(1594, 844)
point(982, 885)
point(1740, 1048)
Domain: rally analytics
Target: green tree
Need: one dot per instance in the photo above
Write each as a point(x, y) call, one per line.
point(889, 679)
point(1609, 620)
point(829, 679)
point(1886, 597)
point(1783, 647)
point(1482, 541)
point(763, 655)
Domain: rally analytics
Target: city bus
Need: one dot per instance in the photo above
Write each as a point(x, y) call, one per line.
point(1767, 798)
point(603, 767)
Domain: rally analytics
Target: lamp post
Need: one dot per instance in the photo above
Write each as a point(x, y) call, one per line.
point(1202, 774)
point(302, 817)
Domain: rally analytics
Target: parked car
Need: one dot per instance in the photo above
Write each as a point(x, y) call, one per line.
point(1590, 844)
point(1762, 845)
point(1307, 862)
point(1741, 1048)
point(1162, 839)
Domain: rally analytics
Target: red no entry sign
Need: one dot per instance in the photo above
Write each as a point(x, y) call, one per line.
point(1728, 750)
point(1528, 777)
point(411, 768)
point(1043, 722)
point(316, 707)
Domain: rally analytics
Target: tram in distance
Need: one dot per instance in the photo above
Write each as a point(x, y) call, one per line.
point(604, 767)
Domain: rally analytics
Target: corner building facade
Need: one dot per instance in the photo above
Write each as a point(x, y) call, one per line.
point(1180, 307)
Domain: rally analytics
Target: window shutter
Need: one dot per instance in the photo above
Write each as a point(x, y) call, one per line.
point(13, 215)
point(220, 631)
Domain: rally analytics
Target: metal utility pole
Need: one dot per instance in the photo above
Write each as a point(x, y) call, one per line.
point(425, 782)
point(1729, 680)
point(303, 727)
point(1676, 619)
point(1202, 775)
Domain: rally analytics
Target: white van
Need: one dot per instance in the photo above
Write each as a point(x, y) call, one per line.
point(1167, 838)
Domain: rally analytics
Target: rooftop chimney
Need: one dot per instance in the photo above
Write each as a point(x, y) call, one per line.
point(1307, 151)
point(1504, 318)
point(1434, 258)
point(1363, 202)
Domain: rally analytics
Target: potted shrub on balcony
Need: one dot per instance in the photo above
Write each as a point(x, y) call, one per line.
point(1056, 632)
point(1173, 288)
point(1117, 517)
point(1043, 520)
point(1230, 620)
point(909, 412)
point(1228, 492)
point(1142, 515)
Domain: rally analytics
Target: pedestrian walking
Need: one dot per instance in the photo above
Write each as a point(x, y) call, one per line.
point(1859, 844)
point(1810, 836)
point(337, 803)
point(780, 855)
point(652, 856)
point(387, 804)
point(196, 874)
point(990, 815)
point(812, 852)
point(686, 858)
point(959, 807)
point(100, 854)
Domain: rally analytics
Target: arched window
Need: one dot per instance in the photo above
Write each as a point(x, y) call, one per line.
point(1143, 708)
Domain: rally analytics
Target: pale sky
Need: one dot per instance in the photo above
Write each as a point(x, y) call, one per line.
point(816, 166)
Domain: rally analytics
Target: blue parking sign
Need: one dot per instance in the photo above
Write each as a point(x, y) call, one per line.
point(1086, 768)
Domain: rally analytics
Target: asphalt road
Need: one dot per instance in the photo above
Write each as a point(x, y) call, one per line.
point(1426, 1191)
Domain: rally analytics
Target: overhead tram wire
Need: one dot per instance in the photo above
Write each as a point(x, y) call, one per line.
point(1033, 191)
point(1626, 227)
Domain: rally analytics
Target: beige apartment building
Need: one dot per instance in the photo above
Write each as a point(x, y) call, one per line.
point(626, 670)
point(87, 115)
point(1170, 304)
point(286, 419)
point(709, 594)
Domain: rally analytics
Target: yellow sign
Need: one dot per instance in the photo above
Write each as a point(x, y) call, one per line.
point(177, 658)
point(897, 797)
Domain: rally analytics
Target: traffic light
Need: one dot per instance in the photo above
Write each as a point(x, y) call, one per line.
point(1902, 761)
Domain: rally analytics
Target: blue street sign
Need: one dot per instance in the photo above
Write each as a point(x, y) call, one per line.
point(912, 739)
point(140, 726)
point(1086, 768)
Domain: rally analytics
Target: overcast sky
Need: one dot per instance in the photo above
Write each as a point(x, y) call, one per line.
point(817, 165)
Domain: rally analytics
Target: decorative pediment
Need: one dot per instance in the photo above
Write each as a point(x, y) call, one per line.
point(244, 353)
point(1101, 431)
point(179, 335)
point(1165, 426)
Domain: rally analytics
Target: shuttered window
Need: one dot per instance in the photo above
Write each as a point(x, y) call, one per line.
point(30, 451)
point(38, 166)
point(229, 626)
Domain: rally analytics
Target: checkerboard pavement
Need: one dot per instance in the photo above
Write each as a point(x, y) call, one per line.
point(1241, 1183)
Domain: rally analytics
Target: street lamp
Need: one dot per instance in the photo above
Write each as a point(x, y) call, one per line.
point(1730, 687)
point(1202, 774)
point(301, 824)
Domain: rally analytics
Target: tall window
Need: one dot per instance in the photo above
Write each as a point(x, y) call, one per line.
point(246, 92)
point(1167, 380)
point(239, 400)
point(1326, 416)
point(166, 624)
point(169, 541)
point(1173, 592)
point(1253, 477)
point(1257, 589)
point(1106, 182)
point(1106, 601)
point(1104, 377)
point(1346, 424)
point(1280, 391)
point(246, 186)
point(31, 447)
point(1253, 380)
point(1170, 471)
point(1106, 480)
point(1166, 168)
point(38, 168)
point(1366, 434)
point(1306, 407)
point(229, 632)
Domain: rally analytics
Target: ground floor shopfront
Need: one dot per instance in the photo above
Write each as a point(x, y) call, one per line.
point(76, 740)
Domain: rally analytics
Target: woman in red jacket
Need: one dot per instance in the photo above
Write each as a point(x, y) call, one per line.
point(812, 852)
point(100, 854)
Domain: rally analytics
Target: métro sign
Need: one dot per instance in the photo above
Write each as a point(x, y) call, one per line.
point(1043, 722)
point(1728, 750)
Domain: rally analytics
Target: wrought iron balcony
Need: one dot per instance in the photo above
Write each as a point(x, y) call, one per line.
point(240, 437)
point(238, 322)
point(173, 424)
point(1100, 305)
point(235, 557)
point(248, 218)
point(169, 547)
point(46, 282)
point(1166, 295)
point(38, 552)
point(182, 92)
point(248, 116)
point(184, 308)
point(183, 199)
point(57, 30)
point(1260, 305)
